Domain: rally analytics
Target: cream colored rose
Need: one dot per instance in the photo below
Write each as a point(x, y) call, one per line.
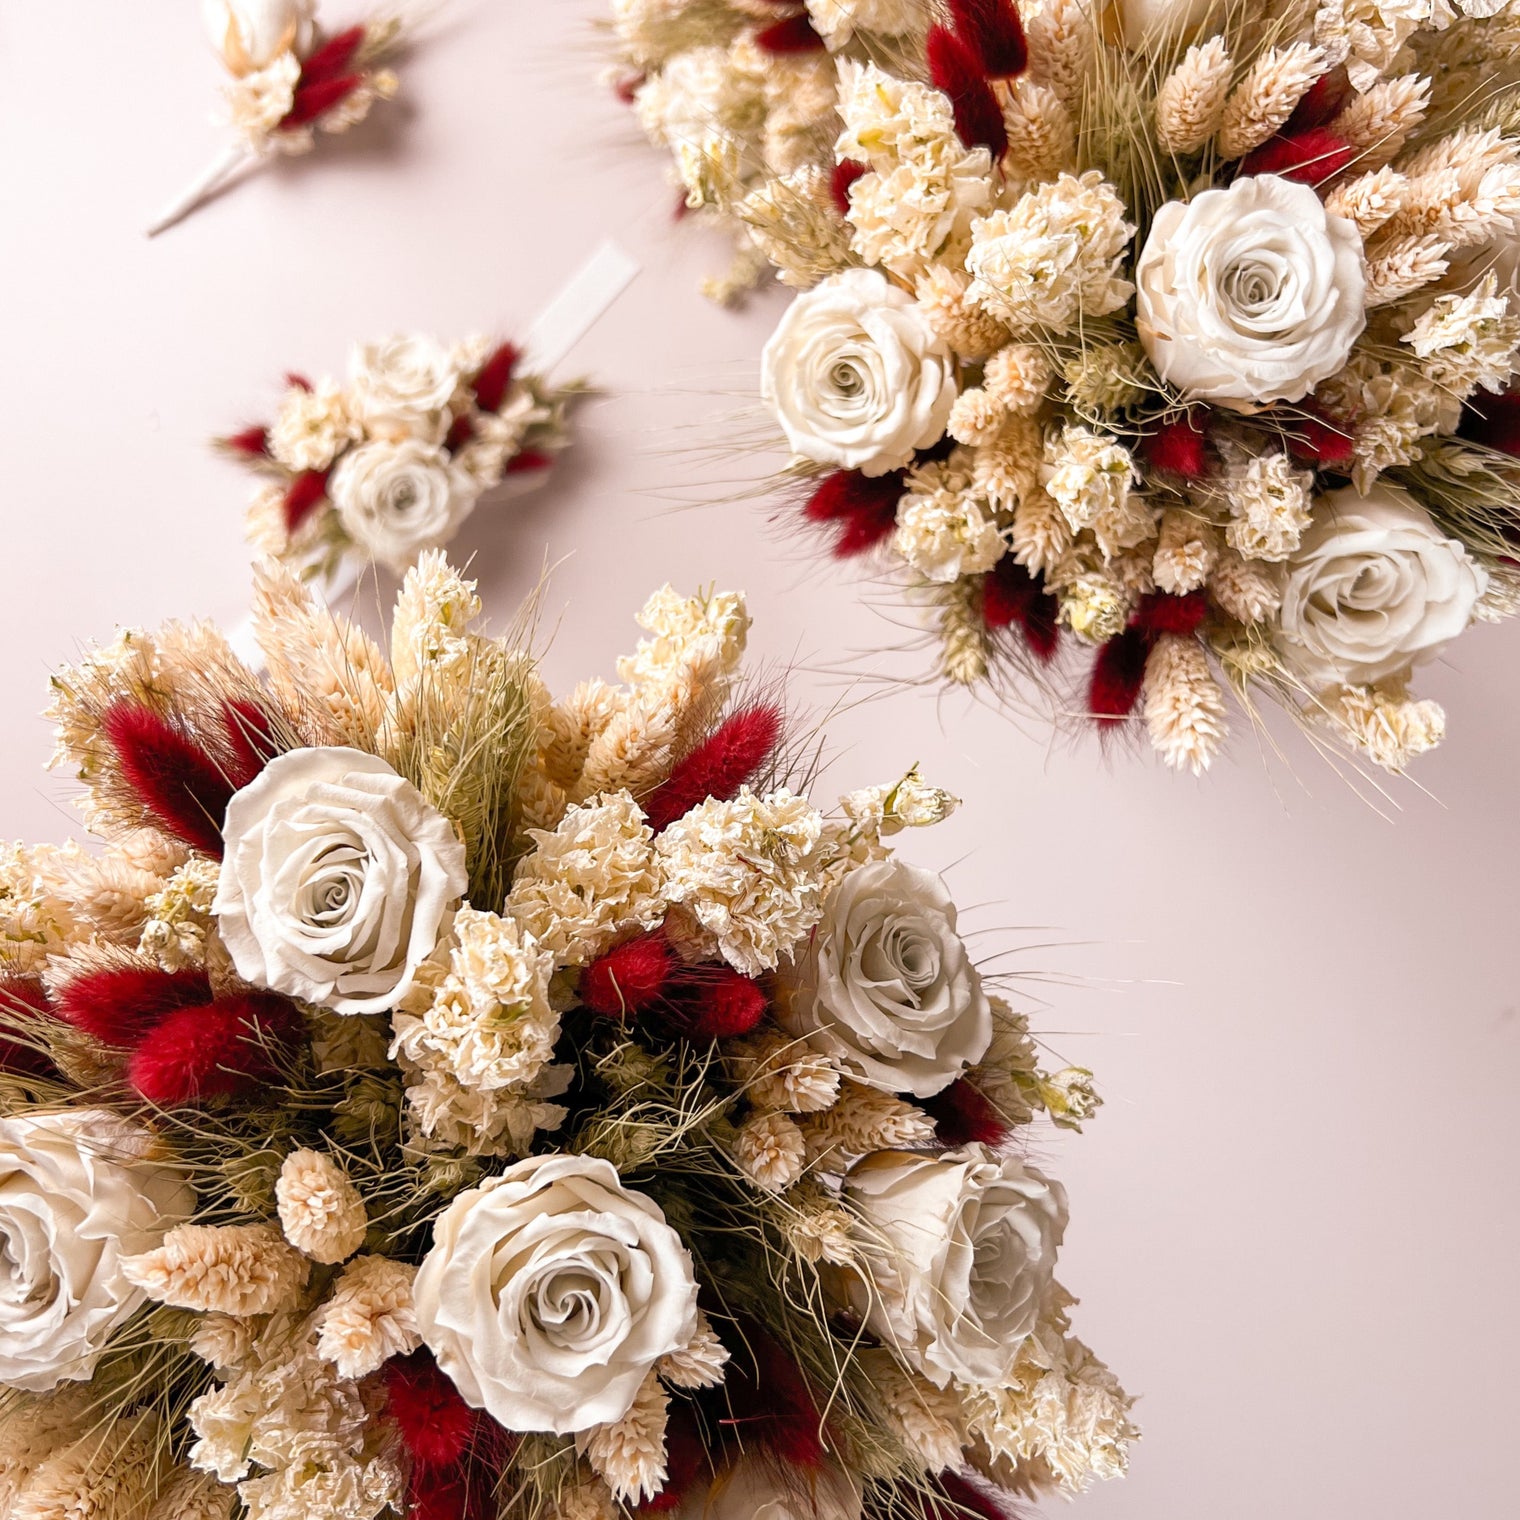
point(77, 1194)
point(1373, 587)
point(397, 499)
point(749, 1490)
point(403, 385)
point(550, 1291)
point(251, 34)
point(959, 1249)
point(887, 988)
point(1251, 294)
point(856, 376)
point(337, 877)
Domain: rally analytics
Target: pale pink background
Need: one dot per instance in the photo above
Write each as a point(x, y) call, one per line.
point(1295, 1225)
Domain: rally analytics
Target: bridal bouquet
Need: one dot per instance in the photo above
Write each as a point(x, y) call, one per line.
point(440, 1100)
point(394, 461)
point(1174, 329)
point(289, 80)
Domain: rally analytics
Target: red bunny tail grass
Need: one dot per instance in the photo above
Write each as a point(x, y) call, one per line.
point(333, 57)
point(1311, 157)
point(1011, 595)
point(461, 430)
point(298, 382)
point(994, 33)
point(1117, 675)
point(305, 494)
point(437, 1426)
point(629, 978)
point(495, 376)
point(250, 735)
point(1494, 422)
point(1160, 612)
point(121, 1004)
point(953, 69)
point(846, 172)
point(1180, 447)
point(313, 101)
point(1319, 439)
point(1328, 96)
point(963, 1115)
point(25, 1010)
point(221, 1049)
point(529, 459)
point(179, 785)
point(769, 1399)
point(251, 443)
point(794, 35)
point(715, 1002)
point(862, 507)
point(718, 766)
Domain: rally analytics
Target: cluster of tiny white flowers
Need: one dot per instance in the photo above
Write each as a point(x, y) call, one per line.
point(944, 529)
point(1270, 506)
point(1091, 477)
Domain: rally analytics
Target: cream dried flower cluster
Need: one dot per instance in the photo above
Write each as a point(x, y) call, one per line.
point(289, 79)
point(1181, 332)
point(393, 461)
point(439, 1099)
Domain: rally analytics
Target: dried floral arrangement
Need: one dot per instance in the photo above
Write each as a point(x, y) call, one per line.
point(290, 80)
point(393, 462)
point(439, 1100)
point(1178, 329)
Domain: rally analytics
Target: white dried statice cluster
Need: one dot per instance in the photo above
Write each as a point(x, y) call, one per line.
point(1384, 722)
point(296, 1436)
point(36, 916)
point(176, 929)
point(945, 527)
point(1270, 504)
point(747, 875)
point(1468, 342)
point(915, 203)
point(320, 1209)
point(589, 881)
point(369, 1317)
point(1053, 260)
point(475, 1039)
point(1091, 477)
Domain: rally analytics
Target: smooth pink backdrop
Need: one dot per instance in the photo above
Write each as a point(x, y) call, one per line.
point(1295, 1224)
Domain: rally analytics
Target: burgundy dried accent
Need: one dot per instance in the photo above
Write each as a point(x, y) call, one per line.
point(718, 766)
point(963, 1115)
point(119, 1005)
point(25, 1002)
point(298, 382)
point(313, 101)
point(1160, 612)
point(995, 35)
point(1311, 157)
point(846, 172)
point(529, 459)
point(628, 87)
point(306, 493)
point(437, 1426)
point(1319, 439)
point(495, 376)
point(963, 1500)
point(862, 507)
point(1180, 445)
point(978, 117)
point(768, 1399)
point(333, 57)
point(461, 430)
point(686, 1463)
point(251, 738)
point(1117, 675)
point(712, 1001)
point(793, 35)
point(1494, 422)
point(176, 782)
point(629, 978)
point(1011, 595)
point(252, 442)
point(220, 1049)
point(1328, 96)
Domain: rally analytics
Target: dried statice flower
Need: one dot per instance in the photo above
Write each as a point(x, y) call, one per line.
point(1383, 722)
point(1465, 342)
point(1090, 477)
point(944, 530)
point(1270, 506)
point(1187, 547)
point(770, 1150)
point(370, 1316)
